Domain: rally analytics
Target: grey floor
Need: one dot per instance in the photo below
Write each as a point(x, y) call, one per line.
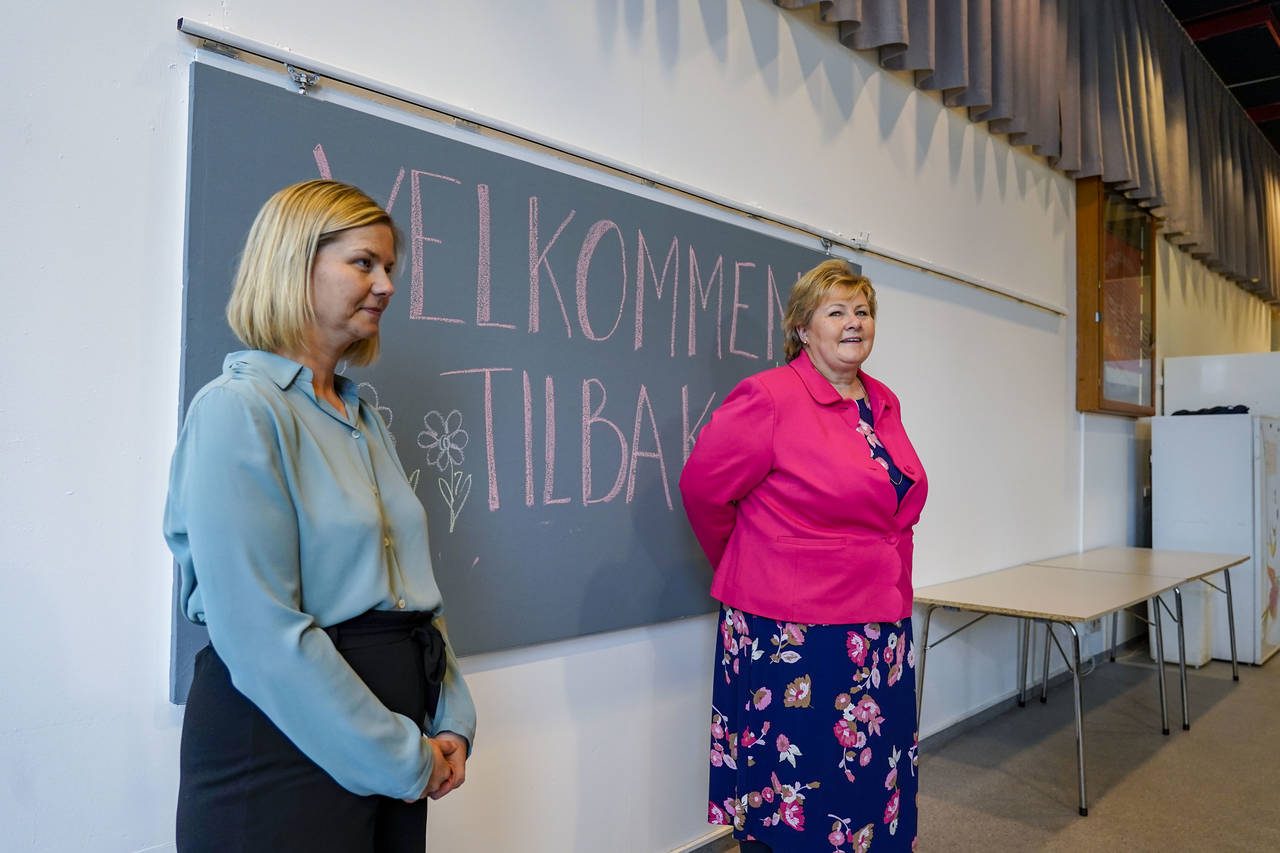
point(1009, 783)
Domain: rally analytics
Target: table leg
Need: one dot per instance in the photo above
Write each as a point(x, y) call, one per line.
point(1164, 708)
point(1182, 656)
point(1115, 625)
point(1075, 678)
point(1231, 628)
point(1024, 649)
point(1044, 681)
point(924, 657)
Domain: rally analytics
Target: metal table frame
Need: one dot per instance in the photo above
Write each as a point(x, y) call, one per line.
point(1150, 580)
point(1111, 560)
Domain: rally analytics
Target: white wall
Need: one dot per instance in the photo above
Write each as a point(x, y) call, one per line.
point(1198, 312)
point(592, 744)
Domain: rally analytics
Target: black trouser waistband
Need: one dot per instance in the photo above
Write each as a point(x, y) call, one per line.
point(380, 627)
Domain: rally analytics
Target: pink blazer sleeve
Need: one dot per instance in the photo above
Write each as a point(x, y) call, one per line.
point(732, 454)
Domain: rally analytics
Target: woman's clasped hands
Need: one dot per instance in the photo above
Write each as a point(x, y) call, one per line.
point(449, 767)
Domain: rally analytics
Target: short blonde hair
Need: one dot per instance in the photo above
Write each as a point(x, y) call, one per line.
point(809, 292)
point(270, 306)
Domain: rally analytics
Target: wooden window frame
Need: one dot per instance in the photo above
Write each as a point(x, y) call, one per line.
point(1091, 196)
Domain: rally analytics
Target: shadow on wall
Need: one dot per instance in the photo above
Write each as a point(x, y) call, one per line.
point(671, 736)
point(1200, 312)
point(640, 724)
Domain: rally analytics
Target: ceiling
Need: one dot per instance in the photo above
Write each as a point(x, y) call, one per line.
point(1241, 40)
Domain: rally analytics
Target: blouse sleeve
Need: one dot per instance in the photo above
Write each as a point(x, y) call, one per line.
point(230, 512)
point(455, 712)
point(732, 454)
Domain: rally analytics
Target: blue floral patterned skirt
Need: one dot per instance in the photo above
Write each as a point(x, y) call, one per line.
point(813, 734)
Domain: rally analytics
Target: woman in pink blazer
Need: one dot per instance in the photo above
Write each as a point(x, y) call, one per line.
point(803, 491)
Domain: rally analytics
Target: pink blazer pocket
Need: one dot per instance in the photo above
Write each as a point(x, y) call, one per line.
point(851, 573)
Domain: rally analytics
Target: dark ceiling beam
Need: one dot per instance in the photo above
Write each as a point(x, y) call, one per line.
point(1264, 112)
point(1257, 16)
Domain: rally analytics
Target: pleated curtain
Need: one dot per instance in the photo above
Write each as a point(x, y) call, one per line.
point(1109, 88)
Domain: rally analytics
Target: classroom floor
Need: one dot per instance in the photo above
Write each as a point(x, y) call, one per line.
point(1009, 783)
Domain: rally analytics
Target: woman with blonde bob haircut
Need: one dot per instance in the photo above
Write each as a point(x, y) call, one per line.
point(804, 492)
point(328, 705)
point(270, 304)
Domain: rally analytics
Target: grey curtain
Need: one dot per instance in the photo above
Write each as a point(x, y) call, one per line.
point(1112, 88)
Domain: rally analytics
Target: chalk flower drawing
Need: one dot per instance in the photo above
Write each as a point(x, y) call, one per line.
point(370, 393)
point(444, 439)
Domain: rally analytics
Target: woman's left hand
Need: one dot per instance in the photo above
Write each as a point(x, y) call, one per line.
point(454, 748)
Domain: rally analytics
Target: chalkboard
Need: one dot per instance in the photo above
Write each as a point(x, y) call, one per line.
point(568, 335)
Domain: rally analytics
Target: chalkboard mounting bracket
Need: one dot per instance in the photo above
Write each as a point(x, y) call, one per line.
point(302, 79)
point(826, 245)
point(218, 47)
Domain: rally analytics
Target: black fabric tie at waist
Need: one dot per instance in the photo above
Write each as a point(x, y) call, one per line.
point(382, 627)
point(433, 657)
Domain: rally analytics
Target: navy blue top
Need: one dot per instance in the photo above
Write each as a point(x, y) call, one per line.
point(901, 482)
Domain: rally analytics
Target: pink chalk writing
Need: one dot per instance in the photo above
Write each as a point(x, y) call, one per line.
point(738, 267)
point(774, 300)
point(645, 443)
point(484, 275)
point(395, 190)
point(594, 235)
point(488, 425)
point(705, 274)
point(549, 447)
point(322, 166)
point(645, 408)
point(416, 240)
point(322, 162)
point(445, 233)
point(538, 260)
point(644, 259)
point(528, 438)
point(591, 417)
point(690, 433)
point(697, 294)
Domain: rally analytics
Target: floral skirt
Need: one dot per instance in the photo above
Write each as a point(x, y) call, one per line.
point(813, 734)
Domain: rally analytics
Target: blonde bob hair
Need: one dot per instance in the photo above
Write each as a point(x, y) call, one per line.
point(811, 289)
point(271, 306)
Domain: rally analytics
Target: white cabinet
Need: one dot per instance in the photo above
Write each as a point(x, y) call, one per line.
point(1215, 488)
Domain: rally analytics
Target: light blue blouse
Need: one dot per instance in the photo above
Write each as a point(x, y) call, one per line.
point(287, 516)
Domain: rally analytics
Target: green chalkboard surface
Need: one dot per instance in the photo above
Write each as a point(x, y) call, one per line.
point(563, 337)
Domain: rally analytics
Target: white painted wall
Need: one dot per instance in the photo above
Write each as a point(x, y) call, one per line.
point(591, 744)
point(1198, 312)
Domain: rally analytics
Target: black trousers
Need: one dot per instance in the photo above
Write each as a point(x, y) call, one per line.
point(245, 788)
